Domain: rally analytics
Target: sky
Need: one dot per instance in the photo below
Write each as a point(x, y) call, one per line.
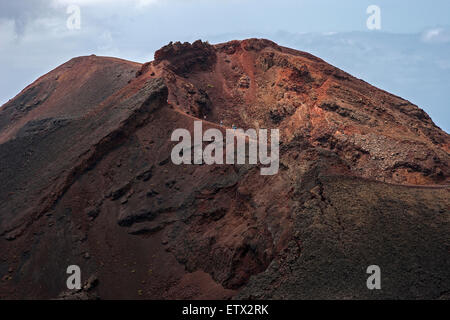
point(408, 54)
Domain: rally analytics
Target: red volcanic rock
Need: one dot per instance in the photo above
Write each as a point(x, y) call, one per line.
point(256, 83)
point(184, 58)
point(87, 180)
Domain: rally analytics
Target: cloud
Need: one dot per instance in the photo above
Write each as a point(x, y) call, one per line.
point(7, 32)
point(436, 35)
point(136, 3)
point(21, 12)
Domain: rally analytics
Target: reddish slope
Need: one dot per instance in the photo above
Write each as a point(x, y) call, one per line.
point(88, 180)
point(69, 91)
point(256, 83)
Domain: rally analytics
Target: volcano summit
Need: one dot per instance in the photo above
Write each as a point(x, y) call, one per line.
point(87, 180)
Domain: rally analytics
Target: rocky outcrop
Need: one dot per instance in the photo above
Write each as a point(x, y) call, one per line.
point(185, 58)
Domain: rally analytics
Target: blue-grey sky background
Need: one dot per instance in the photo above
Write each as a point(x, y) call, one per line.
point(409, 56)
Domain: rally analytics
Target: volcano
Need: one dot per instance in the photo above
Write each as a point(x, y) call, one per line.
point(87, 179)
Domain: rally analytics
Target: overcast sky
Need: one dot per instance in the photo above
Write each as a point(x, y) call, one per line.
point(409, 56)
